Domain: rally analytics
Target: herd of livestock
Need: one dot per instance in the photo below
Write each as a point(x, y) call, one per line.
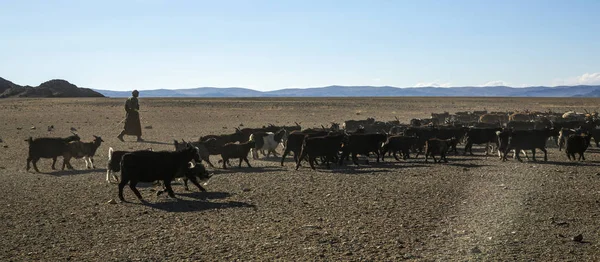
point(431, 137)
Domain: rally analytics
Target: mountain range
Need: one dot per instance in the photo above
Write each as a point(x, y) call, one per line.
point(52, 88)
point(62, 88)
point(375, 91)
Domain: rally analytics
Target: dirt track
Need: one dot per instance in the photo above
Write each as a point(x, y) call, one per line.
point(473, 208)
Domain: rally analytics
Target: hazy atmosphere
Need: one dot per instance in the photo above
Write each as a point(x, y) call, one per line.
point(269, 45)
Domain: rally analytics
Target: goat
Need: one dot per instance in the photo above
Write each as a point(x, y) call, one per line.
point(233, 150)
point(78, 149)
point(47, 147)
point(202, 148)
point(268, 141)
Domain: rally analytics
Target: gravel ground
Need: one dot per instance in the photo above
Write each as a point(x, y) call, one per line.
point(473, 208)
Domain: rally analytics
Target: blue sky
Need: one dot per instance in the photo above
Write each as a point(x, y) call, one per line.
point(268, 45)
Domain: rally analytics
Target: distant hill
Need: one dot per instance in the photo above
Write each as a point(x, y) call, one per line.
point(52, 88)
point(595, 93)
point(356, 91)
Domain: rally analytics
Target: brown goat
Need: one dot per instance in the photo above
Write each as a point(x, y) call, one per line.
point(233, 150)
point(78, 149)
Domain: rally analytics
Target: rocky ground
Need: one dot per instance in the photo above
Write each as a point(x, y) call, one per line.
point(473, 208)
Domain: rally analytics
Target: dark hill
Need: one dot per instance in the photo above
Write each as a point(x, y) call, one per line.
point(52, 88)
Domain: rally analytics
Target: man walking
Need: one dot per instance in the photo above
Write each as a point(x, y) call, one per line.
point(133, 127)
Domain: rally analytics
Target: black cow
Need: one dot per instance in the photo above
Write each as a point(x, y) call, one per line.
point(363, 144)
point(522, 140)
point(477, 136)
point(395, 144)
point(326, 147)
point(577, 144)
point(295, 140)
point(149, 166)
point(435, 146)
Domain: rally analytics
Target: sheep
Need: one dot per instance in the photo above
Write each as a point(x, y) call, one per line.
point(78, 149)
point(233, 150)
point(47, 147)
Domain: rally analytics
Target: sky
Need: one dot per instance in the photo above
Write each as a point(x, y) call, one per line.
point(270, 45)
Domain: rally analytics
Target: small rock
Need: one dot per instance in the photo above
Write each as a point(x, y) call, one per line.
point(148, 127)
point(476, 250)
point(19, 128)
point(577, 238)
point(33, 128)
point(112, 201)
point(246, 189)
point(5, 146)
point(73, 129)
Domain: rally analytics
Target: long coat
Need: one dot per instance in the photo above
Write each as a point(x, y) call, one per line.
point(132, 121)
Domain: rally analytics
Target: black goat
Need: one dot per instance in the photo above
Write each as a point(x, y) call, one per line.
point(233, 150)
point(47, 147)
point(202, 148)
point(85, 150)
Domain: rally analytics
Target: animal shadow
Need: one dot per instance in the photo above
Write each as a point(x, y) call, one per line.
point(70, 172)
point(184, 205)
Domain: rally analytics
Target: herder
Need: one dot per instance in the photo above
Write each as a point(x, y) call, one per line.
point(133, 127)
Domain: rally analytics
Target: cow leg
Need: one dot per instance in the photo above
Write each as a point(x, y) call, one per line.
point(132, 185)
point(377, 153)
point(395, 156)
point(444, 157)
point(517, 154)
point(207, 160)
point(545, 153)
point(225, 163)
point(121, 186)
point(354, 158)
point(34, 163)
point(274, 152)
point(311, 161)
point(581, 157)
point(195, 182)
point(91, 162)
point(300, 157)
point(503, 156)
point(167, 184)
point(245, 159)
point(185, 185)
point(532, 154)
point(54, 163)
point(285, 152)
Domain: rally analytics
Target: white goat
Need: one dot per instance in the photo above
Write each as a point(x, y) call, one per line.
point(268, 143)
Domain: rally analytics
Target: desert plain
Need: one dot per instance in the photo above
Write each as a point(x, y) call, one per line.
point(474, 208)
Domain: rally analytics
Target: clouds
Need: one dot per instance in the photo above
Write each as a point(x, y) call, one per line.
point(585, 79)
point(496, 83)
point(433, 84)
